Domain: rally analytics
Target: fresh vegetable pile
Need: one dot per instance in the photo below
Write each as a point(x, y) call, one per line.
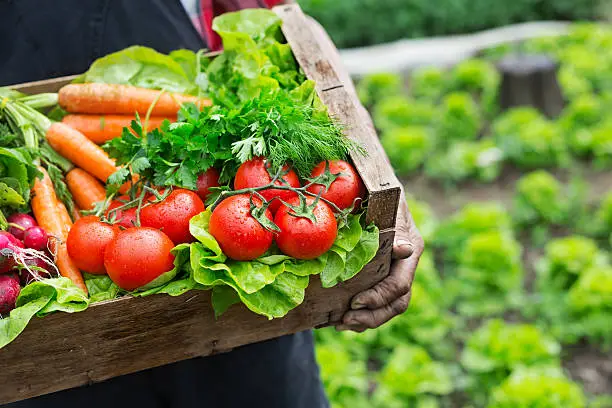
point(167, 173)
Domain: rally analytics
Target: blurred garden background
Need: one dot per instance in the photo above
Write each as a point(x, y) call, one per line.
point(512, 302)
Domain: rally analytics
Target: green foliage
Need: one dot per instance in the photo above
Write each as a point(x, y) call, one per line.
point(539, 198)
point(590, 304)
point(577, 121)
point(538, 388)
point(497, 348)
point(353, 23)
point(480, 160)
point(602, 144)
point(565, 259)
point(373, 88)
point(407, 147)
point(459, 119)
point(423, 216)
point(343, 375)
point(399, 111)
point(489, 274)
point(428, 83)
point(472, 219)
point(529, 140)
point(603, 216)
point(479, 78)
point(410, 374)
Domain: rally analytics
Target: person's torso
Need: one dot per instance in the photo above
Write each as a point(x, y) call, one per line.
point(40, 40)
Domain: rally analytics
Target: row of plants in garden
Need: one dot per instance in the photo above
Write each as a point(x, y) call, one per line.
point(453, 344)
point(503, 289)
point(447, 123)
point(354, 23)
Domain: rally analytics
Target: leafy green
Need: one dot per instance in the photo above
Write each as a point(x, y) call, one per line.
point(408, 147)
point(38, 299)
point(144, 67)
point(458, 119)
point(400, 111)
point(539, 198)
point(538, 388)
point(529, 140)
point(274, 284)
point(343, 375)
point(411, 372)
point(375, 87)
point(428, 83)
point(578, 120)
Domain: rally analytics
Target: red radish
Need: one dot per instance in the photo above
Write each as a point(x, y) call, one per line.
point(37, 269)
point(8, 246)
point(9, 291)
point(19, 223)
point(35, 238)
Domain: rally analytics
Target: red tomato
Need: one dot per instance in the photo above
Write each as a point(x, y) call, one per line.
point(300, 237)
point(172, 215)
point(240, 236)
point(254, 173)
point(138, 256)
point(125, 218)
point(345, 189)
point(87, 241)
point(206, 180)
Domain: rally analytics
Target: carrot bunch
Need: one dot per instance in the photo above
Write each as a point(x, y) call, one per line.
point(101, 111)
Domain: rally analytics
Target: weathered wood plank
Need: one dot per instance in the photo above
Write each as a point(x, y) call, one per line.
point(127, 335)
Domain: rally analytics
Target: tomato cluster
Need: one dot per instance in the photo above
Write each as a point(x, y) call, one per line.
point(135, 250)
point(304, 233)
point(132, 255)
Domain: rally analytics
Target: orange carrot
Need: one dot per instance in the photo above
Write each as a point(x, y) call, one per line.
point(81, 151)
point(65, 218)
point(49, 216)
point(76, 213)
point(102, 128)
point(122, 99)
point(85, 188)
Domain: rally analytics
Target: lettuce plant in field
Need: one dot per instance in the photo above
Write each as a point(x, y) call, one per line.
point(479, 159)
point(565, 260)
point(529, 140)
point(428, 83)
point(497, 348)
point(529, 388)
point(602, 145)
point(578, 120)
point(343, 375)
point(407, 147)
point(400, 111)
point(590, 304)
point(479, 78)
point(540, 199)
point(603, 216)
point(472, 219)
point(489, 275)
point(458, 119)
point(375, 87)
point(411, 376)
point(425, 323)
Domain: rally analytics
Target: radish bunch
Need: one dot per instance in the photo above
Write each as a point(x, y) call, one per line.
point(24, 258)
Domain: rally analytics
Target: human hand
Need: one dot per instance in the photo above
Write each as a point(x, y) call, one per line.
point(390, 297)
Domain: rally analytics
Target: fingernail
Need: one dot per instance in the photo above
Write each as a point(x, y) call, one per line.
point(356, 305)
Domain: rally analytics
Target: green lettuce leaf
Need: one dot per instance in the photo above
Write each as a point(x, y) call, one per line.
point(41, 298)
point(100, 287)
point(144, 67)
point(274, 284)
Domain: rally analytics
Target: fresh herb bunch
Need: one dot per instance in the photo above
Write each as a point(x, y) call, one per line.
point(277, 124)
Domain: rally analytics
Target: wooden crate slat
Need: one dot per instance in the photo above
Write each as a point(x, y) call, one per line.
point(127, 335)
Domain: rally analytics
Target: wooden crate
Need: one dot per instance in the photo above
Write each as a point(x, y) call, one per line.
point(126, 335)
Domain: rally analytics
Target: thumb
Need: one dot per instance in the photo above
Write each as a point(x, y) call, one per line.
point(402, 249)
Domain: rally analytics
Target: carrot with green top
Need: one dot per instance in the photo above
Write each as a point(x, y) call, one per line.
point(102, 99)
point(102, 128)
point(85, 188)
point(49, 215)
